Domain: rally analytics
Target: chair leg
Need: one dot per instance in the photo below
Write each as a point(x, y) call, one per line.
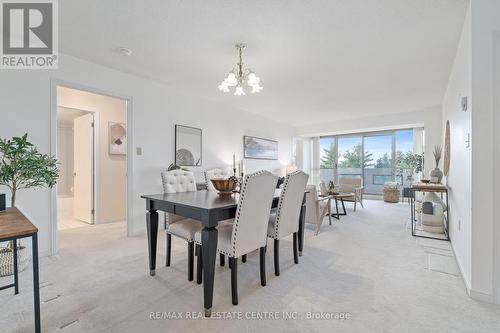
point(295, 249)
point(277, 257)
point(199, 264)
point(234, 279)
point(263, 266)
point(222, 260)
point(190, 260)
point(329, 213)
point(355, 200)
point(169, 249)
point(244, 258)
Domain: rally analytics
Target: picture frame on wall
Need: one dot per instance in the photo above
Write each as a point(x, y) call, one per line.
point(259, 148)
point(188, 146)
point(117, 138)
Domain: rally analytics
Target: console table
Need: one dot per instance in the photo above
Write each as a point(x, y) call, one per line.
point(13, 226)
point(428, 187)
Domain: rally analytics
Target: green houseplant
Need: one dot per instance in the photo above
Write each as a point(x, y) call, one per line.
point(22, 167)
point(409, 164)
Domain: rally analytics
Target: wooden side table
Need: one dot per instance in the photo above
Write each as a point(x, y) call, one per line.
point(341, 197)
point(13, 226)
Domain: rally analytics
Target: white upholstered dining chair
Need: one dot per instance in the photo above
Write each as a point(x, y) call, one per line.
point(176, 181)
point(285, 220)
point(216, 173)
point(317, 207)
point(248, 230)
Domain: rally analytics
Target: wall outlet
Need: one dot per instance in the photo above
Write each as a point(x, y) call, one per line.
point(467, 140)
point(464, 103)
point(138, 151)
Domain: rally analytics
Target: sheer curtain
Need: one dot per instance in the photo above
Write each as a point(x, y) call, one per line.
point(418, 144)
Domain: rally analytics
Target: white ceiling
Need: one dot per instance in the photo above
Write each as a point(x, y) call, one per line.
point(319, 60)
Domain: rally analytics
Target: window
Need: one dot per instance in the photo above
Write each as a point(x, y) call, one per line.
point(375, 157)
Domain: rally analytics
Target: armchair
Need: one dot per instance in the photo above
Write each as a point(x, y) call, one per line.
point(352, 185)
point(316, 208)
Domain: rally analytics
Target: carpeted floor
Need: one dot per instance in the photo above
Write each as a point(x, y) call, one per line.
point(362, 274)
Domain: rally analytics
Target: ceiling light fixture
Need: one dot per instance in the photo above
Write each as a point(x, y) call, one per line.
point(240, 76)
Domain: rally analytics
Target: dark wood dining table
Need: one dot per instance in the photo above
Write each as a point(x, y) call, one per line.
point(209, 208)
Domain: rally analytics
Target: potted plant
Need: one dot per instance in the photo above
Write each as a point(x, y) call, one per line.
point(436, 173)
point(22, 167)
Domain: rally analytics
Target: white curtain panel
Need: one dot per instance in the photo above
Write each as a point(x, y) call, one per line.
point(418, 144)
point(314, 174)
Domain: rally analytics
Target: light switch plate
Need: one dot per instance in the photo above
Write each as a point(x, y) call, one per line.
point(138, 151)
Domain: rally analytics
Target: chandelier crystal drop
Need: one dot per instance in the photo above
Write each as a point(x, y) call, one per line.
point(239, 77)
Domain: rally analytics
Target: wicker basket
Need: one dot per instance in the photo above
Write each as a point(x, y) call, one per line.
point(391, 193)
point(7, 260)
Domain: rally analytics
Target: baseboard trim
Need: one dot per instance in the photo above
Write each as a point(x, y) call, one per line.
point(474, 294)
point(480, 296)
point(461, 269)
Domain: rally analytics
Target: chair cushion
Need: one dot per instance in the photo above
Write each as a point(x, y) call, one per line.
point(224, 237)
point(185, 228)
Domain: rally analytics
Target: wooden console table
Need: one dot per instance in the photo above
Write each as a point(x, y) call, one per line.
point(428, 187)
point(13, 226)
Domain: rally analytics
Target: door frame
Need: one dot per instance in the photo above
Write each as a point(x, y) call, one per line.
point(54, 83)
point(95, 162)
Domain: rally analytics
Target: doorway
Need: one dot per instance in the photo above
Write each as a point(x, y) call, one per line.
point(76, 156)
point(92, 152)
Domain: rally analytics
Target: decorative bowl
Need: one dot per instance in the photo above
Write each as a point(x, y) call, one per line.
point(425, 181)
point(225, 186)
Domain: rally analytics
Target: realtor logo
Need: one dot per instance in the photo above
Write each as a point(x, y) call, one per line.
point(29, 35)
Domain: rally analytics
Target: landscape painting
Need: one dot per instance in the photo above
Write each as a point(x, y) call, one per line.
point(259, 148)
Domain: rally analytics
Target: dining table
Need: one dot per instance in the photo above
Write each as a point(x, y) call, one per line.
point(209, 208)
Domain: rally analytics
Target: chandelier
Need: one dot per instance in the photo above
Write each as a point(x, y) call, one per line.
point(240, 76)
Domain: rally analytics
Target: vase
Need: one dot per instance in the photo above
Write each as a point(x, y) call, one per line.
point(436, 172)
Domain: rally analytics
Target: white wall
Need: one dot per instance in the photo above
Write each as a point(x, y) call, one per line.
point(111, 191)
point(429, 118)
point(459, 179)
point(475, 178)
point(25, 99)
point(485, 21)
point(496, 92)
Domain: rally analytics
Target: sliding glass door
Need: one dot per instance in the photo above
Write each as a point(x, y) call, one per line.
point(328, 159)
point(374, 157)
point(379, 162)
point(349, 157)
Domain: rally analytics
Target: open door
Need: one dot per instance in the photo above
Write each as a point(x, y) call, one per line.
point(83, 203)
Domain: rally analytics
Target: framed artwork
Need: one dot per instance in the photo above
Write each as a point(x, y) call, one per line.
point(188, 146)
point(259, 148)
point(117, 138)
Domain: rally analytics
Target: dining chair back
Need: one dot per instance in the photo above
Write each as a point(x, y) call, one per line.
point(216, 173)
point(177, 181)
point(252, 214)
point(290, 203)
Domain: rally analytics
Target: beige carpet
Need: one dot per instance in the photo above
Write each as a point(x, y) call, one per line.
point(366, 268)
